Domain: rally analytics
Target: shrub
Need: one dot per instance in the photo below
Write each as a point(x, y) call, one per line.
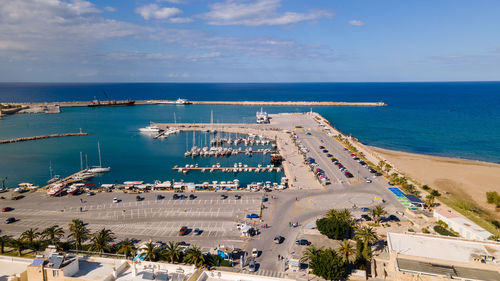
point(435, 193)
point(411, 230)
point(425, 187)
point(334, 228)
point(442, 223)
point(495, 223)
point(425, 230)
point(443, 231)
point(329, 265)
point(492, 197)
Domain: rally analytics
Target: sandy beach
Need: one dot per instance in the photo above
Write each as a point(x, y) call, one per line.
point(465, 179)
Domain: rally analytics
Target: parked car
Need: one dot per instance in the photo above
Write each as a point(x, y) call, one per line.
point(278, 239)
point(368, 181)
point(366, 217)
point(196, 231)
point(393, 218)
point(255, 252)
point(7, 209)
point(116, 200)
point(325, 150)
point(252, 216)
point(10, 220)
point(303, 242)
point(223, 196)
point(175, 196)
point(252, 267)
point(365, 209)
point(192, 197)
point(236, 196)
point(139, 198)
point(321, 147)
point(159, 197)
point(183, 231)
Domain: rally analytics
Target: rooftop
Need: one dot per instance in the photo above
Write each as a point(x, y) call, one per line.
point(450, 249)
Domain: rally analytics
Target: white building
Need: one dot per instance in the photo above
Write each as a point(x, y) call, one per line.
point(463, 226)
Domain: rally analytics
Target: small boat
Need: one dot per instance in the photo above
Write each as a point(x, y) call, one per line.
point(150, 129)
point(53, 178)
point(56, 189)
point(74, 188)
point(26, 186)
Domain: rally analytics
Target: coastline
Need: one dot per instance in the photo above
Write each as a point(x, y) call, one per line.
point(455, 178)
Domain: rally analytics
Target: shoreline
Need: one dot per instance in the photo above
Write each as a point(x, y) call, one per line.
point(241, 103)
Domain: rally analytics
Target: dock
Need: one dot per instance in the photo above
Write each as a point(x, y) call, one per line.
point(42, 137)
point(229, 169)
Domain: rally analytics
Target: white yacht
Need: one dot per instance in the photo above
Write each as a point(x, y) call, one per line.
point(100, 168)
point(182, 101)
point(150, 129)
point(262, 117)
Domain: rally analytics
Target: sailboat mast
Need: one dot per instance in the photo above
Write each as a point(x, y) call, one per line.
point(50, 169)
point(99, 149)
point(81, 161)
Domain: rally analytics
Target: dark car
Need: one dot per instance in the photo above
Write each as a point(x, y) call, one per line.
point(329, 155)
point(325, 150)
point(182, 197)
point(236, 196)
point(252, 216)
point(223, 196)
point(278, 239)
point(321, 147)
point(139, 198)
point(7, 209)
point(183, 231)
point(175, 196)
point(393, 218)
point(192, 196)
point(303, 242)
point(252, 266)
point(10, 220)
point(366, 217)
point(159, 197)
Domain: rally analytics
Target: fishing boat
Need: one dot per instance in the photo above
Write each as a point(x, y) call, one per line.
point(27, 186)
point(74, 188)
point(56, 189)
point(100, 168)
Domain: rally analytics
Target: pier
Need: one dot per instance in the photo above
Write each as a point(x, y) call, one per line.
point(42, 137)
point(238, 169)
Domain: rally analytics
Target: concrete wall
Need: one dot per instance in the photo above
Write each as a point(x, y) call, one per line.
point(236, 276)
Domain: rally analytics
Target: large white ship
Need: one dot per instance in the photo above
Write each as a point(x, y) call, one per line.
point(262, 117)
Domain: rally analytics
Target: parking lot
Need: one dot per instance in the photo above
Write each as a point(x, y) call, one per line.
point(146, 219)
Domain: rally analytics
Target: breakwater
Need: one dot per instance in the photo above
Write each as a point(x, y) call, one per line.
point(42, 137)
point(242, 103)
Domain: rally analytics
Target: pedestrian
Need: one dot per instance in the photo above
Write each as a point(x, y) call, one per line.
point(279, 257)
point(80, 209)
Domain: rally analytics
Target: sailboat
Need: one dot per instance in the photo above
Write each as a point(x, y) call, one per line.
point(53, 178)
point(99, 169)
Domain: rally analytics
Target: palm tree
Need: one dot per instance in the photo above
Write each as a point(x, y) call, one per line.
point(3, 240)
point(127, 247)
point(29, 235)
point(367, 236)
point(53, 233)
point(173, 251)
point(347, 252)
point(377, 212)
point(100, 240)
point(151, 251)
point(429, 200)
point(309, 253)
point(19, 245)
point(194, 256)
point(79, 232)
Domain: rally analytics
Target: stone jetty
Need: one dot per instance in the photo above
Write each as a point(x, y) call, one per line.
point(42, 137)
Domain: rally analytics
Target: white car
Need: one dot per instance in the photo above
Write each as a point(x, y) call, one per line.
point(368, 180)
point(116, 200)
point(255, 253)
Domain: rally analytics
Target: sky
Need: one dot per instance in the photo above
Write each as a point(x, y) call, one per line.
point(249, 40)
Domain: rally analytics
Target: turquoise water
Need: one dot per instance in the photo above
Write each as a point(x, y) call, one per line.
point(446, 119)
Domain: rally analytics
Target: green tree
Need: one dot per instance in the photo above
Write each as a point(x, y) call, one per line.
point(309, 253)
point(173, 251)
point(387, 167)
point(194, 256)
point(328, 265)
point(429, 200)
point(29, 235)
point(79, 232)
point(378, 212)
point(53, 234)
point(19, 245)
point(367, 236)
point(151, 251)
point(435, 193)
point(336, 224)
point(100, 240)
point(127, 248)
point(347, 252)
point(4, 240)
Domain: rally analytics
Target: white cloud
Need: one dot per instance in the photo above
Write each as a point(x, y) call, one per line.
point(356, 22)
point(12, 45)
point(173, 1)
point(154, 11)
point(109, 9)
point(258, 12)
point(180, 20)
point(178, 75)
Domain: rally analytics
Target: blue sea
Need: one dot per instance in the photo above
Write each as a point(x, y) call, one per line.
point(455, 119)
